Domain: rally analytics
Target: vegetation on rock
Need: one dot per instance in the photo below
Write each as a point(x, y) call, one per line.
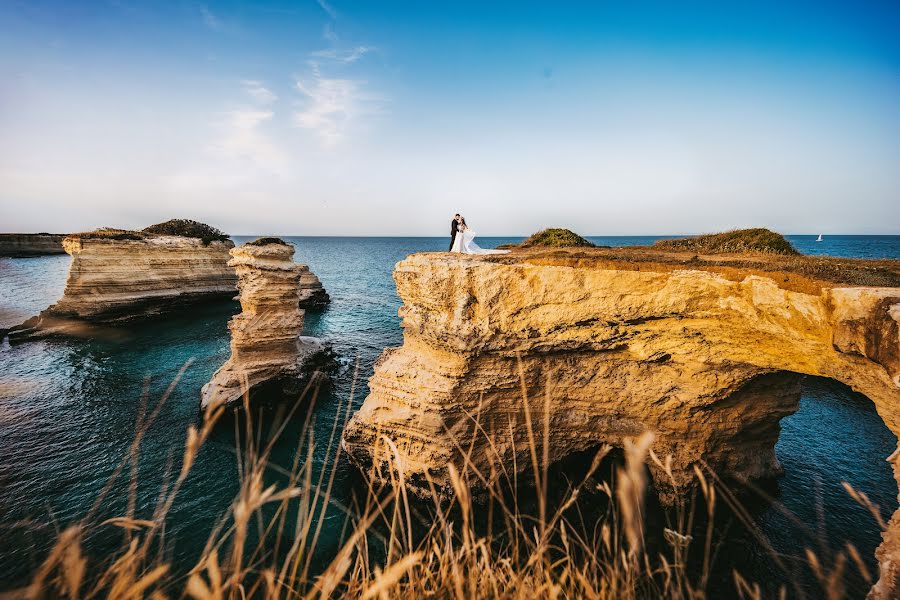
point(451, 550)
point(553, 237)
point(188, 228)
point(736, 241)
point(110, 233)
point(178, 227)
point(265, 241)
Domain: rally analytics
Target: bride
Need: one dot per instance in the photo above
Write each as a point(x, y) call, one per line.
point(465, 241)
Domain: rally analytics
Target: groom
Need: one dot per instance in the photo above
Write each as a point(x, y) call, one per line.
point(454, 226)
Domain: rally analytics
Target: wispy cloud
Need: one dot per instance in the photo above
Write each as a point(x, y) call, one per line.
point(327, 8)
point(211, 20)
point(346, 57)
point(260, 93)
point(329, 33)
point(243, 140)
point(331, 105)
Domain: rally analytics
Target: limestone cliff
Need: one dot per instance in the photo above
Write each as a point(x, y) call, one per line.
point(117, 280)
point(266, 345)
point(704, 353)
point(312, 293)
point(30, 244)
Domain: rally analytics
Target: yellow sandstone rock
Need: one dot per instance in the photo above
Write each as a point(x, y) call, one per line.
point(709, 363)
point(120, 280)
point(266, 345)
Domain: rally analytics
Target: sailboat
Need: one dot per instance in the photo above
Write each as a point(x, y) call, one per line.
point(820, 238)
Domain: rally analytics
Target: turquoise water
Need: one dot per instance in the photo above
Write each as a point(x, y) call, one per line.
point(68, 410)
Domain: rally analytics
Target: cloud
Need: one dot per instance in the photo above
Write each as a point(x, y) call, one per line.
point(211, 20)
point(329, 33)
point(345, 57)
point(331, 105)
point(244, 141)
point(327, 8)
point(259, 92)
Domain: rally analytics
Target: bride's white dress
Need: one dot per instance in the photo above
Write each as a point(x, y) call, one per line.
point(465, 244)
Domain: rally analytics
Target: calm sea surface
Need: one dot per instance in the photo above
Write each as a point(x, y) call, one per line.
point(68, 410)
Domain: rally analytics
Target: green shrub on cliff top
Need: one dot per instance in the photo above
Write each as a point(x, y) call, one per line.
point(556, 237)
point(188, 228)
point(736, 241)
point(265, 241)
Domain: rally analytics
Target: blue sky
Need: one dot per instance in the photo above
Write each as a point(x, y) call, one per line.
point(385, 118)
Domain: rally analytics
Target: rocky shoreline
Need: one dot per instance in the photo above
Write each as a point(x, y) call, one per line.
point(705, 352)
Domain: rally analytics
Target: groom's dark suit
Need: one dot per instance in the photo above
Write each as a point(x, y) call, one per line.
point(454, 227)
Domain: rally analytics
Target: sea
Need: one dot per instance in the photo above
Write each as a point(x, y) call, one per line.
point(69, 408)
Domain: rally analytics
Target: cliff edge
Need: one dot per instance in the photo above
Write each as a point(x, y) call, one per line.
point(704, 351)
point(117, 277)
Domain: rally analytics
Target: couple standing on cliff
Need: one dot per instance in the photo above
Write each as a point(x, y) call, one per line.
point(462, 239)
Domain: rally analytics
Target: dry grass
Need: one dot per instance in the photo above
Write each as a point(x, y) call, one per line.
point(807, 274)
point(109, 233)
point(389, 550)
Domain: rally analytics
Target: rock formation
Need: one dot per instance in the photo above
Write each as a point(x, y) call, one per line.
point(30, 244)
point(266, 345)
point(704, 353)
point(312, 294)
point(114, 280)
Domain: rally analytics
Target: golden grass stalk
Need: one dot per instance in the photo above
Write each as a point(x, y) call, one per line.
point(452, 545)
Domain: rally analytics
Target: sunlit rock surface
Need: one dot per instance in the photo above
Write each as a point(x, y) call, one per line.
point(114, 281)
point(705, 358)
point(266, 344)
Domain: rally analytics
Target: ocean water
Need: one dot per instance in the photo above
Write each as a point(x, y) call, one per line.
point(68, 410)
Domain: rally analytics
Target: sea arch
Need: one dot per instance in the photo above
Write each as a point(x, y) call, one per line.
point(707, 360)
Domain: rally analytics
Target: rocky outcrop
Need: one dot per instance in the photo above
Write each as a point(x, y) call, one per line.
point(312, 293)
point(30, 244)
point(706, 358)
point(266, 346)
point(119, 280)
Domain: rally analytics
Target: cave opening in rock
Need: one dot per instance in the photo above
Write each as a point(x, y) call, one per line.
point(826, 436)
point(813, 435)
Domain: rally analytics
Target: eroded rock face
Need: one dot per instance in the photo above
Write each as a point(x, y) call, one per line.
point(114, 281)
point(312, 293)
point(265, 337)
point(707, 363)
point(30, 244)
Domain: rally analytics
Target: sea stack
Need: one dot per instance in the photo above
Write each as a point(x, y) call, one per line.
point(266, 345)
point(31, 244)
point(312, 293)
point(119, 276)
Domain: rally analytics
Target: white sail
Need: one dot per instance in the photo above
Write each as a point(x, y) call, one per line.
point(820, 238)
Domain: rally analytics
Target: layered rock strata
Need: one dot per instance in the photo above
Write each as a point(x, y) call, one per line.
point(266, 345)
point(30, 244)
point(708, 361)
point(120, 280)
point(312, 293)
